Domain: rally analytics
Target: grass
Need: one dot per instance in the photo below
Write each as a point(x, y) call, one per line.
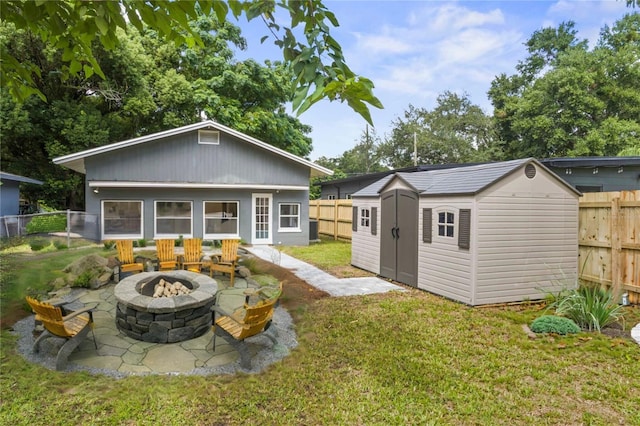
point(389, 359)
point(329, 255)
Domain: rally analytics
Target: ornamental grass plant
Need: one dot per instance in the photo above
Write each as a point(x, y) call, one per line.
point(591, 307)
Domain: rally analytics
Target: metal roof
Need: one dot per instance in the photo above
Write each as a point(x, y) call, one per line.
point(457, 181)
point(18, 178)
point(76, 161)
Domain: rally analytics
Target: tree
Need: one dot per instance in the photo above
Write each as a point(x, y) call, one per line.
point(455, 131)
point(74, 27)
point(149, 86)
point(571, 101)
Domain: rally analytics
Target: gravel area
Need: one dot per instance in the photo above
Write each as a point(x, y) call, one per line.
point(265, 356)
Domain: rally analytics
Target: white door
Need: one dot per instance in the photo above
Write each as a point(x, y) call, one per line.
point(261, 220)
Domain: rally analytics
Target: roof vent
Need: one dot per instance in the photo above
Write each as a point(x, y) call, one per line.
point(530, 171)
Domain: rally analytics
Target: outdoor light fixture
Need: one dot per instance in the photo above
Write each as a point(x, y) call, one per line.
point(96, 190)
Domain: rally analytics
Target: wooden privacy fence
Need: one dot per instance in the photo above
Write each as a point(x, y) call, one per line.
point(609, 241)
point(333, 216)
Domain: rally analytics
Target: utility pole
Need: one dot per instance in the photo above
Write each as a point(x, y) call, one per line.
point(415, 150)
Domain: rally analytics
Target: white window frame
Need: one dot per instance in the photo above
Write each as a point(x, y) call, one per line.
point(155, 220)
point(121, 236)
point(446, 224)
point(220, 236)
point(208, 137)
point(331, 197)
point(280, 215)
point(365, 217)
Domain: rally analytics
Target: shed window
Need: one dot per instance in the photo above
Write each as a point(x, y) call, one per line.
point(209, 137)
point(173, 218)
point(220, 219)
point(290, 217)
point(365, 217)
point(445, 224)
point(331, 197)
point(121, 219)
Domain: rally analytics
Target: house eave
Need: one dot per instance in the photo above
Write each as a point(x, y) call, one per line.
point(192, 185)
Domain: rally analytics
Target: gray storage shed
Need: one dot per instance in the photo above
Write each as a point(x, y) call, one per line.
point(491, 233)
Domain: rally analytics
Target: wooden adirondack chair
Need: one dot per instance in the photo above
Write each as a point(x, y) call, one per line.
point(126, 258)
point(73, 326)
point(227, 261)
point(245, 322)
point(167, 259)
point(192, 259)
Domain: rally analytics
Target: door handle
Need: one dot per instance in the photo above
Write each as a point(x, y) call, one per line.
point(397, 233)
point(393, 233)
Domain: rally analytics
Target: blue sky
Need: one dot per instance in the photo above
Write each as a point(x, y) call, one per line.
point(415, 50)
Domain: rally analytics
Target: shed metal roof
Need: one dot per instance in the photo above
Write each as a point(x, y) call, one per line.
point(457, 181)
point(76, 161)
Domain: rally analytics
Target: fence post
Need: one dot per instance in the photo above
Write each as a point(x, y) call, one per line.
point(616, 246)
point(68, 228)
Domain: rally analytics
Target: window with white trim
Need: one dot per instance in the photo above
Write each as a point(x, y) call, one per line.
point(173, 218)
point(365, 217)
point(209, 137)
point(121, 219)
point(446, 223)
point(221, 219)
point(289, 217)
point(331, 197)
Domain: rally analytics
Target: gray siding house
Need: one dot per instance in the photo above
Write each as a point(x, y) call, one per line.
point(10, 192)
point(203, 180)
point(491, 233)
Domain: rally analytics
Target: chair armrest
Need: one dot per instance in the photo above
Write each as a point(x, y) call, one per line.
point(78, 312)
point(215, 258)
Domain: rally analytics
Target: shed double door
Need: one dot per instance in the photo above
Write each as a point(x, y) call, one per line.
point(399, 236)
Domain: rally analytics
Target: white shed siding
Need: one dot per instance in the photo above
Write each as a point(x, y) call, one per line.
point(443, 268)
point(365, 247)
point(527, 239)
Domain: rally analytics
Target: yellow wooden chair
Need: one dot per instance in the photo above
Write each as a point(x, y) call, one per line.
point(227, 261)
point(167, 259)
point(246, 321)
point(73, 327)
point(192, 259)
point(126, 258)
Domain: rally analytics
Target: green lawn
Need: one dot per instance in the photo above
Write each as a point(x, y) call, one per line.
point(391, 359)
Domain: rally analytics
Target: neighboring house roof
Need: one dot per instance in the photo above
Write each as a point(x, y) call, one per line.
point(456, 181)
point(76, 161)
point(591, 161)
point(17, 178)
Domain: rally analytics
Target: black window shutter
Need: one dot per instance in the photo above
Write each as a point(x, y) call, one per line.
point(426, 225)
point(374, 221)
point(464, 228)
point(354, 219)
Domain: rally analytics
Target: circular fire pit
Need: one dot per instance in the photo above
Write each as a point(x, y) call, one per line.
point(165, 319)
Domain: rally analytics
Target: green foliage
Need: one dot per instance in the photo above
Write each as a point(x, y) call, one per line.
point(109, 244)
point(84, 280)
point(179, 241)
point(455, 131)
point(47, 223)
point(141, 242)
point(591, 307)
point(38, 244)
point(81, 30)
point(567, 100)
point(60, 245)
point(554, 324)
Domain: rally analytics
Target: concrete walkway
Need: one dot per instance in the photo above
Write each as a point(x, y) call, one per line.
point(322, 280)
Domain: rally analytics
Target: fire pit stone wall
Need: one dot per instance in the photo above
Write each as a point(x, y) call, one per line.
point(165, 319)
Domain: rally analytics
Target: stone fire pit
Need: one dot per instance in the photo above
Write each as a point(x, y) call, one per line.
point(164, 319)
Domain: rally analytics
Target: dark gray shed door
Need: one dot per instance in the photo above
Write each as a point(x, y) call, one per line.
point(399, 236)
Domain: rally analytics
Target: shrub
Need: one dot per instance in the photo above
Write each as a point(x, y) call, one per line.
point(84, 279)
point(554, 324)
point(38, 244)
point(179, 241)
point(48, 223)
point(60, 245)
point(591, 307)
point(142, 242)
point(109, 245)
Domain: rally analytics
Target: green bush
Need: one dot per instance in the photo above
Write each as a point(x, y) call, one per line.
point(554, 324)
point(60, 245)
point(84, 280)
point(591, 307)
point(38, 244)
point(142, 242)
point(109, 244)
point(45, 224)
